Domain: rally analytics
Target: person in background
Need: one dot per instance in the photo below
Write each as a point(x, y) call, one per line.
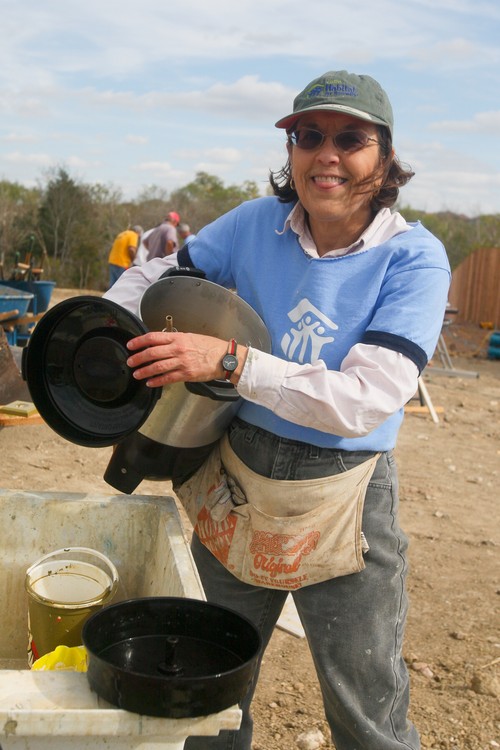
point(353, 297)
point(141, 255)
point(163, 240)
point(186, 234)
point(123, 252)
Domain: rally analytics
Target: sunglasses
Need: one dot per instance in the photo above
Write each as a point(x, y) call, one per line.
point(347, 141)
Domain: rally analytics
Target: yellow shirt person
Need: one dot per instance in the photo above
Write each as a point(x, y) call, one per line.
point(123, 252)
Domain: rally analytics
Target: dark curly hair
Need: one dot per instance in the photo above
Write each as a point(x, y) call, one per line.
point(384, 193)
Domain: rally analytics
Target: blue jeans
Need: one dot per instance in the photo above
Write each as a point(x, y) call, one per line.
point(114, 273)
point(354, 624)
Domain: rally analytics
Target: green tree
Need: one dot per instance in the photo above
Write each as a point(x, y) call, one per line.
point(206, 198)
point(18, 221)
point(74, 224)
point(460, 235)
point(64, 204)
point(77, 224)
point(151, 206)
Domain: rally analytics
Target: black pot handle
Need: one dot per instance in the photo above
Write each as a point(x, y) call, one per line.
point(194, 273)
point(218, 390)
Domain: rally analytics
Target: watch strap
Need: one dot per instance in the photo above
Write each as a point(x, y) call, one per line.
point(231, 349)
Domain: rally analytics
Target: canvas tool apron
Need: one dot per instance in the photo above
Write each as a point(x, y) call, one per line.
point(278, 533)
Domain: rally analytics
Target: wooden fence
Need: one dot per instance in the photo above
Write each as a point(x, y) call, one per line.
point(475, 288)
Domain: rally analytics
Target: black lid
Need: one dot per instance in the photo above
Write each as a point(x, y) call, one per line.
point(76, 371)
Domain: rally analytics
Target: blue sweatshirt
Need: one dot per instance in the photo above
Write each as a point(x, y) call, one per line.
point(392, 295)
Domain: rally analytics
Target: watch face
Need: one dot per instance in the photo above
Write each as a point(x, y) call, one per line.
point(229, 362)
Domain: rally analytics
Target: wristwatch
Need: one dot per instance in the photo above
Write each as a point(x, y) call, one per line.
point(229, 360)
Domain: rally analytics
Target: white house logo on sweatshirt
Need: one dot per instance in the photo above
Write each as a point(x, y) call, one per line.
point(309, 334)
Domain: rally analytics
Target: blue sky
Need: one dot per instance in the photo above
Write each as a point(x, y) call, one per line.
point(133, 94)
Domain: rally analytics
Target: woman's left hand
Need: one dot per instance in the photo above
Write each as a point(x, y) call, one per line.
point(163, 357)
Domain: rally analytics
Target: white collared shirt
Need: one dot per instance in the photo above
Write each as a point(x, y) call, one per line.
point(384, 226)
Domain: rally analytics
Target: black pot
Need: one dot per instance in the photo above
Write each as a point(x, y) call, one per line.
point(170, 657)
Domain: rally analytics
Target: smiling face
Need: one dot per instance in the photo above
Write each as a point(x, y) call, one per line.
point(327, 180)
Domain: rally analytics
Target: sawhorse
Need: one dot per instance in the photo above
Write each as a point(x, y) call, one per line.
point(444, 355)
point(425, 400)
point(447, 368)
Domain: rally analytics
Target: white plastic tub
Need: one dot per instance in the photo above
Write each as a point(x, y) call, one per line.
point(143, 537)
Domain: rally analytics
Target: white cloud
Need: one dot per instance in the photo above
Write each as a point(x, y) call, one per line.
point(106, 85)
point(138, 140)
point(444, 191)
point(20, 137)
point(449, 180)
point(455, 54)
point(160, 169)
point(157, 166)
point(226, 155)
point(476, 8)
point(76, 162)
point(122, 40)
point(481, 122)
point(249, 97)
point(40, 160)
point(213, 167)
point(23, 104)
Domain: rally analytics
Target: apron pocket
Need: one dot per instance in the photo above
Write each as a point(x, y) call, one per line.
point(278, 534)
point(294, 551)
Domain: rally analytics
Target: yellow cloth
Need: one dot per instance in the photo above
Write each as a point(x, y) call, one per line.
point(67, 658)
point(119, 254)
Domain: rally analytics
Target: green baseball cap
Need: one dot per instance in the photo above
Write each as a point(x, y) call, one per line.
point(340, 91)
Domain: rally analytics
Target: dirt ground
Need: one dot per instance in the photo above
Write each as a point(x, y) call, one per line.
point(450, 476)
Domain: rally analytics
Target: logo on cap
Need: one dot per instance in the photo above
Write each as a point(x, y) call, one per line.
point(332, 88)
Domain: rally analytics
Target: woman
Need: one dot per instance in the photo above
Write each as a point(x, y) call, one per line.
point(353, 298)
